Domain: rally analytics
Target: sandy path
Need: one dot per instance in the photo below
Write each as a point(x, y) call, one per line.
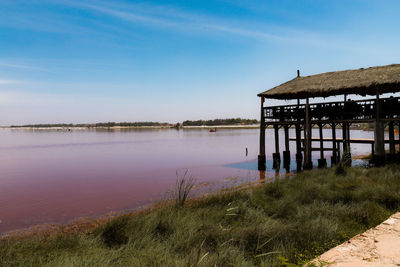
point(379, 246)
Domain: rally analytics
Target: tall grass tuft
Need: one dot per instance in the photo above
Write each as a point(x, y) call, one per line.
point(184, 185)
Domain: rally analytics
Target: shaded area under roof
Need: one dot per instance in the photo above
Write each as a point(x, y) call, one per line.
point(384, 79)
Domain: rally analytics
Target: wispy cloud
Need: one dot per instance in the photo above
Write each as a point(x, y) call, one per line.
point(8, 82)
point(167, 17)
point(171, 18)
point(20, 66)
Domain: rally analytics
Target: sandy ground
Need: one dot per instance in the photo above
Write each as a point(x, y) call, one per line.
point(379, 246)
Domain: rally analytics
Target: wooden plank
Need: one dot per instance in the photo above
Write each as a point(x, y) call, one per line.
point(354, 140)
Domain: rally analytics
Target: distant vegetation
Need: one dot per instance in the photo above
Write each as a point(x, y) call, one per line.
point(100, 124)
point(216, 122)
point(283, 223)
point(233, 121)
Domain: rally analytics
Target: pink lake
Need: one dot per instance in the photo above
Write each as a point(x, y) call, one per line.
point(50, 176)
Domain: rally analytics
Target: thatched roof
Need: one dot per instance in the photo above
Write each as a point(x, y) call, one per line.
point(385, 79)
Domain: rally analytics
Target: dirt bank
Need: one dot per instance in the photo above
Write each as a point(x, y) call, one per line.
point(379, 246)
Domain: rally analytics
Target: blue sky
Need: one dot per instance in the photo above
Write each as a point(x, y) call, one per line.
point(90, 61)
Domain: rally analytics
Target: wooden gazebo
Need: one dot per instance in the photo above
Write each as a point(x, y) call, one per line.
point(365, 82)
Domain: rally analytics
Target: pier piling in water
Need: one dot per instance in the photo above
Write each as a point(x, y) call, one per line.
point(321, 160)
point(299, 155)
point(334, 149)
point(276, 157)
point(286, 153)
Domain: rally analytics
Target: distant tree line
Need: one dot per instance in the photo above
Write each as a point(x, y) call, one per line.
point(129, 124)
point(46, 125)
point(233, 121)
point(100, 124)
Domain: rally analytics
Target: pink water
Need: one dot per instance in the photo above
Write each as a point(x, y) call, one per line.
point(56, 176)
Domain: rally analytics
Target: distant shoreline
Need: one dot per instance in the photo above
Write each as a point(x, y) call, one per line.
point(199, 127)
point(203, 127)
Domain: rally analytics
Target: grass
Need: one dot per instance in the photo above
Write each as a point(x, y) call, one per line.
point(184, 185)
point(284, 223)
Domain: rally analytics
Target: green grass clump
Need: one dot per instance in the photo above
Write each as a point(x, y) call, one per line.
point(289, 221)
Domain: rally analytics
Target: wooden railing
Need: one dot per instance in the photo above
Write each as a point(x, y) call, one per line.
point(361, 110)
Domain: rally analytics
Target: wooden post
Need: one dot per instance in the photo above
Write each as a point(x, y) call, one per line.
point(276, 164)
point(344, 137)
point(379, 135)
point(321, 141)
point(276, 128)
point(299, 155)
point(398, 131)
point(373, 152)
point(398, 153)
point(286, 153)
point(392, 147)
point(286, 129)
point(334, 150)
point(322, 160)
point(349, 160)
point(398, 143)
point(261, 157)
point(308, 138)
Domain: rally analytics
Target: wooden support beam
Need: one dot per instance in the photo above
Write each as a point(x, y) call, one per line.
point(334, 150)
point(322, 160)
point(276, 138)
point(398, 141)
point(321, 141)
point(373, 152)
point(299, 155)
point(286, 129)
point(308, 155)
point(262, 160)
point(286, 153)
point(344, 137)
point(392, 148)
point(379, 134)
point(348, 138)
point(276, 157)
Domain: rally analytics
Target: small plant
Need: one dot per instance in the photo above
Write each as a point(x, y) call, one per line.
point(183, 187)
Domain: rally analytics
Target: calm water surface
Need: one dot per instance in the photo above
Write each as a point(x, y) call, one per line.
point(55, 176)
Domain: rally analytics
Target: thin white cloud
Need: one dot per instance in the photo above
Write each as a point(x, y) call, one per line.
point(8, 82)
point(159, 16)
point(20, 66)
point(172, 18)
